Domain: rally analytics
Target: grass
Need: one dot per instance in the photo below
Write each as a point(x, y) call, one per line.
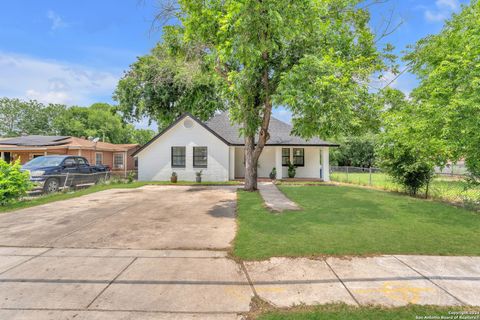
point(347, 220)
point(442, 187)
point(341, 312)
point(44, 199)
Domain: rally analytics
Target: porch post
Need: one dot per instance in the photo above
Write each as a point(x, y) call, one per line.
point(278, 162)
point(2, 156)
point(231, 165)
point(325, 164)
point(125, 164)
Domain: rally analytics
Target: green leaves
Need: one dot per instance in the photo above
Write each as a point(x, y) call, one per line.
point(173, 79)
point(99, 120)
point(448, 99)
point(19, 117)
point(14, 183)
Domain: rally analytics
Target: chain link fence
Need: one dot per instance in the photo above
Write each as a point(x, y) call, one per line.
point(447, 186)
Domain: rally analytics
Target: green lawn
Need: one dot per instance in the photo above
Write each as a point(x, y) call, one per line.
point(442, 187)
point(344, 220)
point(43, 199)
point(341, 312)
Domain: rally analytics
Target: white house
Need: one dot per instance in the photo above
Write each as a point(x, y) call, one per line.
point(189, 145)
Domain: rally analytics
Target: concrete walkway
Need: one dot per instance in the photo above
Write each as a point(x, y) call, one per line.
point(51, 283)
point(274, 199)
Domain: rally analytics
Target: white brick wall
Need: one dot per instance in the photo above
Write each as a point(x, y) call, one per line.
point(154, 162)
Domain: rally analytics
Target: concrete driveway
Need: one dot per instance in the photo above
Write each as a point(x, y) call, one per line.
point(150, 217)
point(160, 252)
point(156, 252)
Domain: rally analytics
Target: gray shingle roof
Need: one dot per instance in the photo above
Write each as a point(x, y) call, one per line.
point(280, 132)
point(220, 126)
point(36, 141)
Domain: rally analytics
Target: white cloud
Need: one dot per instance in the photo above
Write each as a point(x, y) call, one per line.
point(443, 9)
point(52, 81)
point(451, 4)
point(435, 16)
point(56, 21)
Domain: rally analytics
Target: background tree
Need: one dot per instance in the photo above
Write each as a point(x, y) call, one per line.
point(356, 152)
point(101, 120)
point(19, 117)
point(447, 99)
point(142, 136)
point(405, 152)
point(313, 57)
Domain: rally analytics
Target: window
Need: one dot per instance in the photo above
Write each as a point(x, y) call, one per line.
point(200, 155)
point(298, 157)
point(81, 161)
point(118, 161)
point(178, 157)
point(285, 156)
point(98, 158)
point(69, 162)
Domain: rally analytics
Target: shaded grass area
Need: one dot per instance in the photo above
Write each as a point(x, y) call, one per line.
point(341, 312)
point(344, 220)
point(442, 187)
point(44, 199)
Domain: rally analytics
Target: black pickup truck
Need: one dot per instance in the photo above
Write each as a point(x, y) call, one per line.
point(51, 173)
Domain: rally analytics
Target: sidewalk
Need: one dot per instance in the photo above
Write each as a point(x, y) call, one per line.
point(41, 283)
point(274, 199)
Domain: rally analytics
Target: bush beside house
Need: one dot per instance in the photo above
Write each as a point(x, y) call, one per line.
point(14, 183)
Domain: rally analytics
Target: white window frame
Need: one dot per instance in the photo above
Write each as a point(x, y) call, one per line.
point(101, 160)
point(120, 166)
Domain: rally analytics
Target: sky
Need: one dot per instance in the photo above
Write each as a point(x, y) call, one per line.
point(74, 52)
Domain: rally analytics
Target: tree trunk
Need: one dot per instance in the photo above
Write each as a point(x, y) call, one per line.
point(250, 164)
point(252, 149)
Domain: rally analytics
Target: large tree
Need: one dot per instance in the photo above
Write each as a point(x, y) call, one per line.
point(314, 57)
point(174, 78)
point(447, 100)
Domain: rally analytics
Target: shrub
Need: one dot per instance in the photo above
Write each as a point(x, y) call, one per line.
point(408, 169)
point(131, 176)
point(292, 170)
point(13, 182)
point(273, 173)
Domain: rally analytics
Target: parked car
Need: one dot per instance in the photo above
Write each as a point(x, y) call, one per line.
point(51, 173)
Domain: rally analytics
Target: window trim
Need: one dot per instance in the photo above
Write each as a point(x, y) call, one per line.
point(101, 160)
point(283, 157)
point(123, 161)
point(184, 157)
point(194, 157)
point(302, 157)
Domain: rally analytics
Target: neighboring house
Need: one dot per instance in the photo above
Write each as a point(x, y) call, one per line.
point(189, 145)
point(117, 156)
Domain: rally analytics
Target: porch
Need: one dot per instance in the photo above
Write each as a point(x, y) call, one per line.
point(312, 162)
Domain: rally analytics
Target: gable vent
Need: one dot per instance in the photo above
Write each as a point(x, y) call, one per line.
point(188, 123)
